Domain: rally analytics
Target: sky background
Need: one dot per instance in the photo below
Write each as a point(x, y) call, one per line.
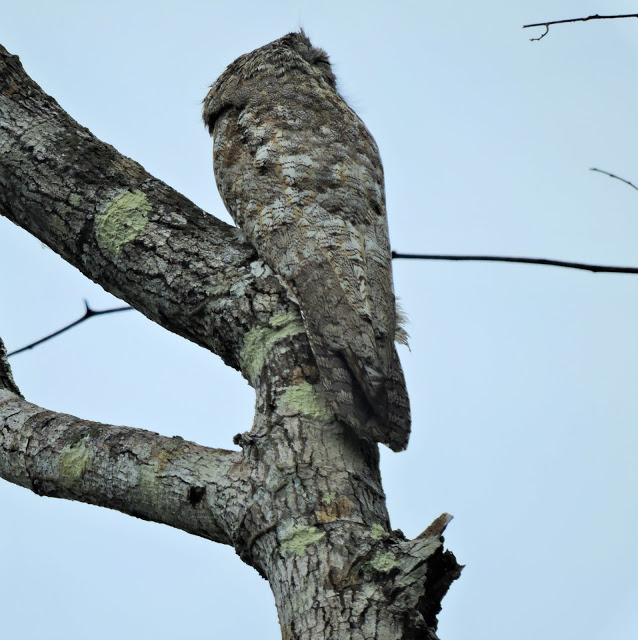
point(523, 379)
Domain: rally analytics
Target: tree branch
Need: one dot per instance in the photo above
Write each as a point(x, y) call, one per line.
point(126, 230)
point(594, 17)
point(611, 175)
point(596, 268)
point(140, 473)
point(89, 313)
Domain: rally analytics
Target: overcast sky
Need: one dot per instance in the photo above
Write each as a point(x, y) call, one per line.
point(523, 379)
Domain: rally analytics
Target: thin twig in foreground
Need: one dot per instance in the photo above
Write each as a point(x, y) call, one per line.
point(611, 175)
point(596, 268)
point(89, 313)
point(594, 17)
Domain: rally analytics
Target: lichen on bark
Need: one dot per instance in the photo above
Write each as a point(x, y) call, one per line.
point(123, 220)
point(74, 461)
point(299, 538)
point(260, 340)
point(307, 400)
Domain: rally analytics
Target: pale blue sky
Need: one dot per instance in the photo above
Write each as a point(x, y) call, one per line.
point(523, 379)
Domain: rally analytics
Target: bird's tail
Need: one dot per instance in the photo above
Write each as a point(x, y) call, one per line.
point(385, 419)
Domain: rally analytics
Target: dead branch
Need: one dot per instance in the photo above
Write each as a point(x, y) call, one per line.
point(611, 175)
point(596, 268)
point(594, 17)
point(89, 313)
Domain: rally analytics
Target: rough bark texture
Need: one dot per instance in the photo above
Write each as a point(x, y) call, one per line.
point(302, 502)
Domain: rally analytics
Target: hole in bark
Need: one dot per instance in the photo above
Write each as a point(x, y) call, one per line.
point(195, 494)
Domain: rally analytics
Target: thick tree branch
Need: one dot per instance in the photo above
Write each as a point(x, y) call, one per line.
point(124, 229)
point(594, 17)
point(166, 480)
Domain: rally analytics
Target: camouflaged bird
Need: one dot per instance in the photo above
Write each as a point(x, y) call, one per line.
point(302, 177)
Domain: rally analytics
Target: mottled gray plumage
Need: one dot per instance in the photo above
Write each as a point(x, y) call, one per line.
point(301, 175)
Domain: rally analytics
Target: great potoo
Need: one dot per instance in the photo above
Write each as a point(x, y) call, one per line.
point(301, 175)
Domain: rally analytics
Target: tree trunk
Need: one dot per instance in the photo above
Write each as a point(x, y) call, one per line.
point(302, 502)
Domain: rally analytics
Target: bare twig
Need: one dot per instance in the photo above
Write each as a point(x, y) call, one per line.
point(89, 313)
point(594, 17)
point(596, 268)
point(542, 34)
point(611, 175)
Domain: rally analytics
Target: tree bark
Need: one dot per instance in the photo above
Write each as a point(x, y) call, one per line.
point(302, 502)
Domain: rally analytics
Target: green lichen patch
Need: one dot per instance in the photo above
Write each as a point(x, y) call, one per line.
point(148, 491)
point(75, 200)
point(285, 319)
point(306, 400)
point(378, 532)
point(299, 539)
point(74, 461)
point(328, 498)
point(122, 221)
point(384, 561)
point(260, 340)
